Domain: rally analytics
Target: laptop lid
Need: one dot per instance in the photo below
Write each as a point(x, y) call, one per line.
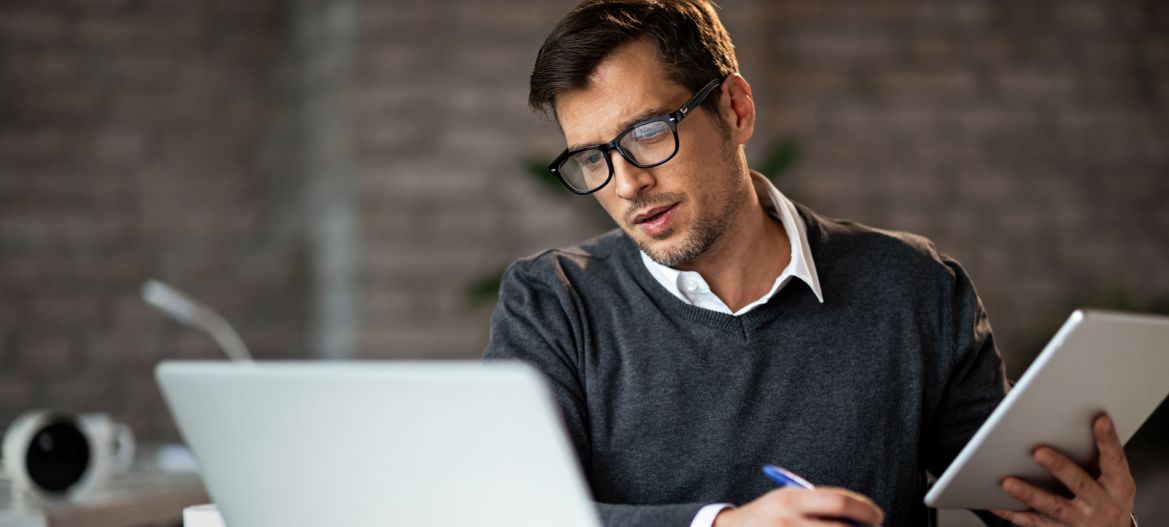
point(378, 443)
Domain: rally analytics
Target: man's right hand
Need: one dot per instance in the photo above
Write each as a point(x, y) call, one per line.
point(791, 506)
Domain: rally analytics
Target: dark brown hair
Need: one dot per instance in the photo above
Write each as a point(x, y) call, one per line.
point(691, 42)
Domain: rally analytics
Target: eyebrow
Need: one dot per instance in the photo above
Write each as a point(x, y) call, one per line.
point(627, 124)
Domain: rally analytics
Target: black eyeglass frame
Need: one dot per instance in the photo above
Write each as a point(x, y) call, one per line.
point(671, 118)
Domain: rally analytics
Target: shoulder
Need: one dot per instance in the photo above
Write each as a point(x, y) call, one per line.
point(596, 259)
point(895, 258)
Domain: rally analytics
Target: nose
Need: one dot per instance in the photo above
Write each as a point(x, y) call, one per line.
point(629, 180)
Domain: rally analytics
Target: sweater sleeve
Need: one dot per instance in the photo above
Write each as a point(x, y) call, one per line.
point(973, 375)
point(538, 320)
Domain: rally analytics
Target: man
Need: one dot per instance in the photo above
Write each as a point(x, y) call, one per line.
point(723, 327)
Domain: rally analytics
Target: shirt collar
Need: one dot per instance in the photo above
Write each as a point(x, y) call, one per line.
point(801, 265)
point(774, 202)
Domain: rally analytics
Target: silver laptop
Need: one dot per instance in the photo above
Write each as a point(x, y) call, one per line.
point(378, 443)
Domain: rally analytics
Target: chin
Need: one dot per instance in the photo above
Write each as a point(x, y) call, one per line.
point(673, 251)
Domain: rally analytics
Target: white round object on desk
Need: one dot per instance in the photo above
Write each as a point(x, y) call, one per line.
point(54, 456)
point(113, 438)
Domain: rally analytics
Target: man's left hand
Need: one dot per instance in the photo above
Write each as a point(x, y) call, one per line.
point(1104, 501)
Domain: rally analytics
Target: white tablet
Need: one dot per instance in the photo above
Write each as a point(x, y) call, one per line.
point(1099, 361)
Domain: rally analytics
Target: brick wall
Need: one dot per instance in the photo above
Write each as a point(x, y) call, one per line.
point(1028, 139)
point(441, 135)
point(137, 140)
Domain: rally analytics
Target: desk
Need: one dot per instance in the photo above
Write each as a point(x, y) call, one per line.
point(135, 499)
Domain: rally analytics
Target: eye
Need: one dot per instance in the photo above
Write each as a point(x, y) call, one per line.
point(590, 159)
point(651, 132)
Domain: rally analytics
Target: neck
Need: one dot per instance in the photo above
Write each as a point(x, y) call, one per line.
point(744, 263)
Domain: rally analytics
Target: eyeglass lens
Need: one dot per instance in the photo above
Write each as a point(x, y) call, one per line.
point(647, 144)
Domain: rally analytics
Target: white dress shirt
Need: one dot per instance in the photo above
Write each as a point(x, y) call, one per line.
point(691, 288)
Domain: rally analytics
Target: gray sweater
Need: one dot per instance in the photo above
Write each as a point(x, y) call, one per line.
point(671, 407)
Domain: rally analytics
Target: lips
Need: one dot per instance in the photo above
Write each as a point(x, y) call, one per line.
point(657, 222)
point(652, 213)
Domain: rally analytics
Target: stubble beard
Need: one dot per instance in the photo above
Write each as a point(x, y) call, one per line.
point(703, 233)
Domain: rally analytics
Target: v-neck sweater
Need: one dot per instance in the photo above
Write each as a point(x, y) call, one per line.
point(671, 407)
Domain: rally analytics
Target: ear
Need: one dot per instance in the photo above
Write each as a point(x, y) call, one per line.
point(737, 108)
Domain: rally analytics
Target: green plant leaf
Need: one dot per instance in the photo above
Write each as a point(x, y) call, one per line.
point(780, 158)
point(484, 290)
point(539, 171)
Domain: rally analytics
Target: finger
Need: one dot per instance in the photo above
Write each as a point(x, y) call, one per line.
point(1115, 476)
point(1057, 507)
point(1072, 475)
point(1024, 519)
point(841, 503)
point(851, 493)
point(1113, 462)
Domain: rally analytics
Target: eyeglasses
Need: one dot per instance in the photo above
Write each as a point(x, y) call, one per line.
point(646, 144)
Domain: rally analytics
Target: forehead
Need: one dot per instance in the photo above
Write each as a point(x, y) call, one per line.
point(628, 82)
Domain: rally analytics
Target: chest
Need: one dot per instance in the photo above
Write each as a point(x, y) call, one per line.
point(839, 407)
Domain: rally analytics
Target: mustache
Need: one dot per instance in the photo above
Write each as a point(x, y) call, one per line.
point(648, 202)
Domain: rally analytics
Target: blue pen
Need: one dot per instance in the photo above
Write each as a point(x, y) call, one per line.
point(787, 478)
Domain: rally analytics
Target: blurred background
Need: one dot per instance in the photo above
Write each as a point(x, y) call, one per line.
point(347, 179)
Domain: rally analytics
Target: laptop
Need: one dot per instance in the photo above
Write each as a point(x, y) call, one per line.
point(378, 443)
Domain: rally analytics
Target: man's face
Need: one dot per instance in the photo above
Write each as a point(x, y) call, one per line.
point(676, 211)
